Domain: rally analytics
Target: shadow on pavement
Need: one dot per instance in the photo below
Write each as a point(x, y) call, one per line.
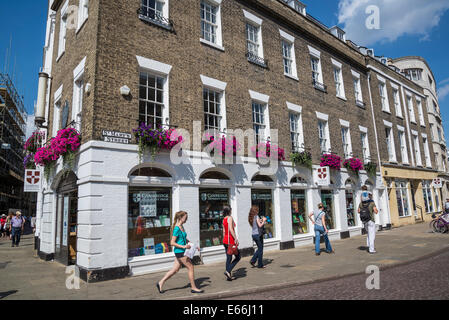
point(199, 283)
point(240, 273)
point(7, 293)
point(362, 248)
point(4, 264)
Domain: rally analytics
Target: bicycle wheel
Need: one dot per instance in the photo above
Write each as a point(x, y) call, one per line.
point(440, 226)
point(432, 226)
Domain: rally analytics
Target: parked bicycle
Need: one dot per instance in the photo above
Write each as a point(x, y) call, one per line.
point(440, 224)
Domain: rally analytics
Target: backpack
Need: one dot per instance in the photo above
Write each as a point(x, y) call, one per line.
point(365, 214)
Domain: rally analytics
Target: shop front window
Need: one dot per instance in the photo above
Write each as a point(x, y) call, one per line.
point(327, 200)
point(264, 200)
point(402, 199)
point(350, 210)
point(427, 193)
point(149, 221)
point(299, 212)
point(212, 202)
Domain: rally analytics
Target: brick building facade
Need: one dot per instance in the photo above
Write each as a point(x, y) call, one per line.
point(250, 56)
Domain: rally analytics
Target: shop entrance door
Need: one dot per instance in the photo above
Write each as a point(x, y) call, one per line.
point(66, 221)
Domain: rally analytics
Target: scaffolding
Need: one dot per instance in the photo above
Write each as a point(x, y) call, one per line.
point(12, 138)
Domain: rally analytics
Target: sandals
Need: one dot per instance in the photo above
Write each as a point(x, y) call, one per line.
point(159, 288)
point(228, 277)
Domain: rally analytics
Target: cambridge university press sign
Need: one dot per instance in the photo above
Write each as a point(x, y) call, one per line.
point(32, 181)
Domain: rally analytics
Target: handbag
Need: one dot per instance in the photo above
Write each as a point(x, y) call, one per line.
point(232, 249)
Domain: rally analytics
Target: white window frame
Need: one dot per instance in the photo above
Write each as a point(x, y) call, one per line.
point(289, 40)
point(427, 191)
point(219, 87)
point(410, 108)
point(365, 144)
point(402, 144)
point(83, 13)
point(57, 106)
point(324, 118)
point(297, 111)
point(338, 79)
point(63, 30)
point(261, 99)
point(163, 70)
point(390, 142)
point(402, 197)
point(78, 93)
point(346, 138)
point(383, 94)
point(218, 44)
point(315, 54)
point(357, 86)
point(255, 22)
point(426, 150)
point(420, 111)
point(416, 148)
point(397, 101)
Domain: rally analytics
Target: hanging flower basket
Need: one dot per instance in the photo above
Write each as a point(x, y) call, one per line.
point(155, 139)
point(353, 165)
point(30, 148)
point(301, 159)
point(65, 144)
point(371, 168)
point(331, 160)
point(227, 147)
point(263, 150)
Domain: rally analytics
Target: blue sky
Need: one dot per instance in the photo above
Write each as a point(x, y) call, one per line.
point(420, 29)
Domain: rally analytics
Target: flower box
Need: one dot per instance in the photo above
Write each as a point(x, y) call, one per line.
point(302, 159)
point(331, 160)
point(227, 147)
point(371, 168)
point(263, 150)
point(353, 165)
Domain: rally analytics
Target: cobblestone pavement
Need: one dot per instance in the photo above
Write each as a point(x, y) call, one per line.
point(24, 276)
point(422, 280)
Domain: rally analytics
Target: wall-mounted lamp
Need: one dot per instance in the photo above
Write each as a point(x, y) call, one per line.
point(88, 88)
point(125, 91)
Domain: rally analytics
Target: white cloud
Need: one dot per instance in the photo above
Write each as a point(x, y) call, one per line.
point(397, 18)
point(443, 90)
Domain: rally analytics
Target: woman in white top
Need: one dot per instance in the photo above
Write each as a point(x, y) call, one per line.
point(257, 224)
point(320, 229)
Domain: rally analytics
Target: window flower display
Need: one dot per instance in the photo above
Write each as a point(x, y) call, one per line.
point(353, 164)
point(263, 150)
point(371, 168)
point(227, 147)
point(30, 148)
point(302, 159)
point(155, 139)
point(331, 160)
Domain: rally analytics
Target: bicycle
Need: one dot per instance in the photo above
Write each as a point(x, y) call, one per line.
point(440, 224)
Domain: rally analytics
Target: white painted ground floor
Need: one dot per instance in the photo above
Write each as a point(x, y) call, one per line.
point(111, 216)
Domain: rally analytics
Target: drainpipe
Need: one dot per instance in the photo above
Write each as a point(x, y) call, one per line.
point(377, 147)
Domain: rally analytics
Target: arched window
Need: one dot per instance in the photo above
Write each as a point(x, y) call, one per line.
point(298, 179)
point(151, 172)
point(262, 178)
point(214, 175)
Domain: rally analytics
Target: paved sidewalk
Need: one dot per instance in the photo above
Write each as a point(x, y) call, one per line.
point(24, 276)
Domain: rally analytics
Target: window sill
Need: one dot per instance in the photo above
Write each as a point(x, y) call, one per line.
point(81, 26)
point(409, 216)
point(211, 44)
point(400, 117)
point(360, 104)
point(386, 111)
point(414, 122)
point(291, 76)
point(342, 98)
point(158, 23)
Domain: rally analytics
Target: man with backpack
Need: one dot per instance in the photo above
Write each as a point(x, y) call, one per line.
point(367, 209)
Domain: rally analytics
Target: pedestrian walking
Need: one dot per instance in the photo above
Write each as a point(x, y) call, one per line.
point(367, 209)
point(320, 229)
point(230, 242)
point(3, 226)
point(33, 223)
point(17, 225)
point(257, 224)
point(180, 243)
point(8, 225)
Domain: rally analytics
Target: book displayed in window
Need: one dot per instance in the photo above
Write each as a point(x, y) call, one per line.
point(299, 212)
point(350, 210)
point(149, 219)
point(212, 202)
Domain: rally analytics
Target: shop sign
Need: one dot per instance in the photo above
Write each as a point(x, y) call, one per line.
point(149, 197)
point(261, 196)
point(298, 195)
point(437, 183)
point(32, 180)
point(117, 137)
point(322, 176)
point(214, 196)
